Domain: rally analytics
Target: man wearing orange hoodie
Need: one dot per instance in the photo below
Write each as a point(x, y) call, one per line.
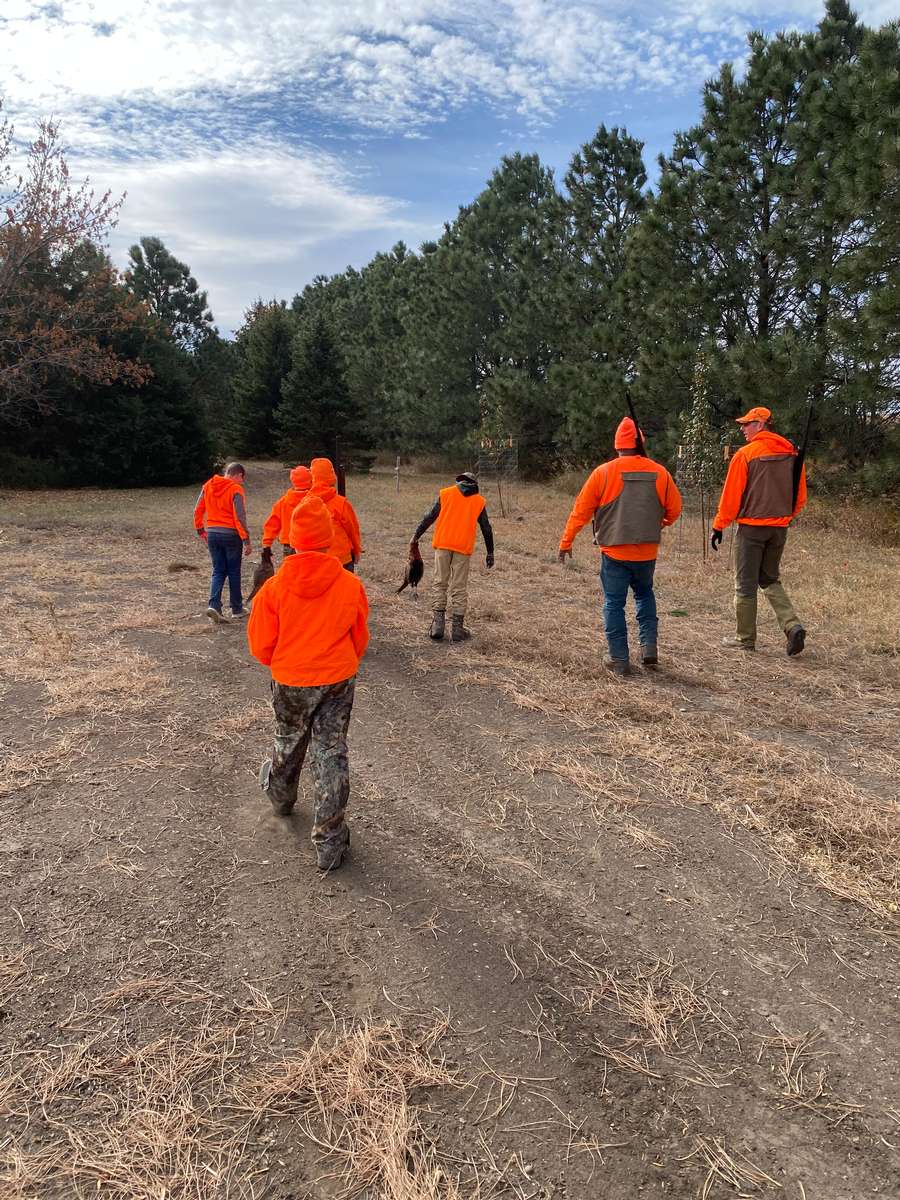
point(758, 493)
point(347, 545)
point(308, 626)
point(278, 522)
point(220, 518)
point(630, 500)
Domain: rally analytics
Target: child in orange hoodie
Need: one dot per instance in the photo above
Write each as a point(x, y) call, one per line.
point(278, 522)
point(308, 625)
point(347, 545)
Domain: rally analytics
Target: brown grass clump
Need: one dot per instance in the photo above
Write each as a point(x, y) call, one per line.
point(351, 1092)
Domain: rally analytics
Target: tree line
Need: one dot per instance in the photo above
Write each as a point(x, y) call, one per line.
point(760, 269)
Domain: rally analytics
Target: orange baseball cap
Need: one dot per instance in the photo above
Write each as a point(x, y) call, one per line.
point(755, 414)
point(311, 525)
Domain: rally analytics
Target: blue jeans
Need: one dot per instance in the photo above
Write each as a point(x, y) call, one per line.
point(226, 551)
point(617, 576)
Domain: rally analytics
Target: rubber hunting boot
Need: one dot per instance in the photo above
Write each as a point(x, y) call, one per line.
point(460, 633)
point(745, 615)
point(437, 625)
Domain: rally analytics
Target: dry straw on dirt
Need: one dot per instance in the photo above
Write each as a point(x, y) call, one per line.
point(171, 1114)
point(352, 1094)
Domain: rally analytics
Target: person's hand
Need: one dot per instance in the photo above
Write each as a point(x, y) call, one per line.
point(201, 534)
point(563, 555)
point(266, 555)
point(248, 549)
point(489, 560)
point(716, 540)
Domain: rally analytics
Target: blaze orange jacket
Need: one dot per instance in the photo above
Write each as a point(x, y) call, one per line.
point(347, 545)
point(222, 505)
point(278, 522)
point(308, 622)
point(456, 524)
point(758, 488)
point(604, 485)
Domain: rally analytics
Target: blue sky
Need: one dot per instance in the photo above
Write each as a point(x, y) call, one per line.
point(266, 144)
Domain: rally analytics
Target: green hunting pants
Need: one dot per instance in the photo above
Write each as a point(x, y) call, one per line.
point(757, 562)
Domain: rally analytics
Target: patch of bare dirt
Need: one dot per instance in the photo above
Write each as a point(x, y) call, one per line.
point(594, 938)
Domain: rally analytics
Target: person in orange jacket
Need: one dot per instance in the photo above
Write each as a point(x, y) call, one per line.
point(347, 545)
point(278, 522)
point(758, 493)
point(309, 626)
point(220, 518)
point(456, 513)
point(630, 500)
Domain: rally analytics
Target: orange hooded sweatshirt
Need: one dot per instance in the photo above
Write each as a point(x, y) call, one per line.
point(278, 522)
point(347, 545)
point(758, 488)
point(222, 505)
point(308, 622)
point(604, 485)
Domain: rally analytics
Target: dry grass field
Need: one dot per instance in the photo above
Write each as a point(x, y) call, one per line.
point(596, 937)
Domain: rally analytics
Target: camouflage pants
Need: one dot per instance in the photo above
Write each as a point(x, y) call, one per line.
point(315, 718)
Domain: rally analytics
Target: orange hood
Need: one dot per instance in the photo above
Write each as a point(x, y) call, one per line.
point(774, 442)
point(221, 487)
point(308, 573)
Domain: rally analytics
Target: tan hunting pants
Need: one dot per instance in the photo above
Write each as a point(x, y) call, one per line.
point(451, 574)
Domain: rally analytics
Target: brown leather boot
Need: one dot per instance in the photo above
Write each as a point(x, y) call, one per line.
point(460, 633)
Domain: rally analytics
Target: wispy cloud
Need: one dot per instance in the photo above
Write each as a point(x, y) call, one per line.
point(212, 113)
point(387, 64)
point(250, 222)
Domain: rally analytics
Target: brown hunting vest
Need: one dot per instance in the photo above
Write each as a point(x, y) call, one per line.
point(635, 516)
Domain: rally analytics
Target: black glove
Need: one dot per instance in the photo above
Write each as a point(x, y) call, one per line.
point(716, 540)
point(489, 560)
point(266, 555)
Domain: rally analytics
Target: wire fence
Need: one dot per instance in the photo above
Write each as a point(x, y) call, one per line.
point(497, 467)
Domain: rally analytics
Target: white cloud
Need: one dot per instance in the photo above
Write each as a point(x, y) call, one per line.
point(205, 109)
point(387, 63)
point(253, 222)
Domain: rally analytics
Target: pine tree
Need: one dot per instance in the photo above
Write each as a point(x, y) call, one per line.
point(598, 330)
point(263, 360)
point(315, 406)
point(171, 292)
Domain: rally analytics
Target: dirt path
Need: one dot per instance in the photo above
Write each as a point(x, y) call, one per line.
point(650, 988)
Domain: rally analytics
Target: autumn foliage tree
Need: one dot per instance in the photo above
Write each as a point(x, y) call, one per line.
point(48, 326)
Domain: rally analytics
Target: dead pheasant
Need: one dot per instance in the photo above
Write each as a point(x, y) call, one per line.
point(264, 571)
point(412, 576)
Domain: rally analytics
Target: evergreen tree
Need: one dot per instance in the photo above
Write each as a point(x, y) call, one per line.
point(171, 293)
point(145, 433)
point(315, 406)
point(599, 335)
point(262, 361)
